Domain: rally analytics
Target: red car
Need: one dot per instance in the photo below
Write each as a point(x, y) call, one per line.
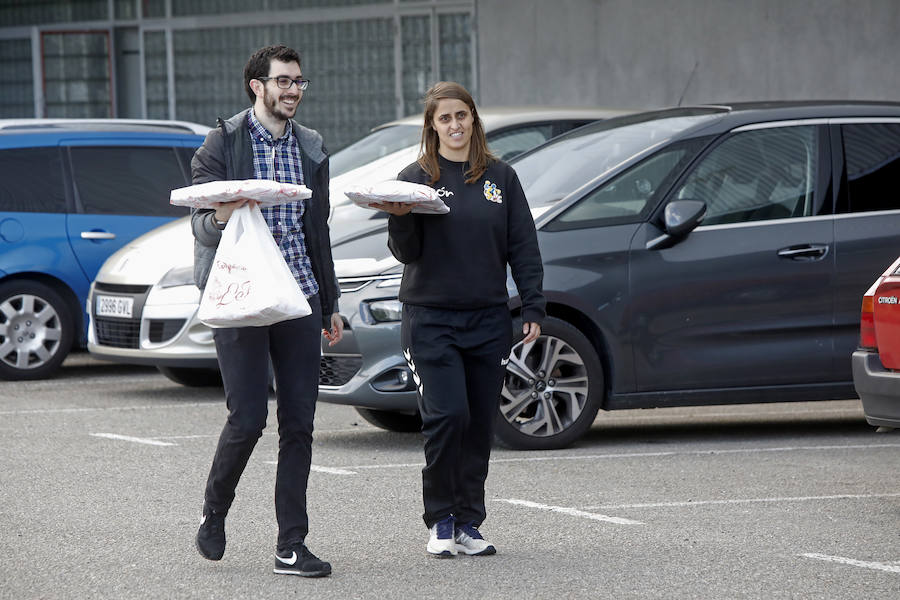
point(876, 363)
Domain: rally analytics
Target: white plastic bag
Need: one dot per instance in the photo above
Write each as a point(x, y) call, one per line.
point(424, 198)
point(264, 191)
point(249, 284)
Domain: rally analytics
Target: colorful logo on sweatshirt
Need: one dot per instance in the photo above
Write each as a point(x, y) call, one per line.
point(492, 192)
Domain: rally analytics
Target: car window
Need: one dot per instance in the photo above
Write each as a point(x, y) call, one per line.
point(127, 180)
point(872, 151)
point(627, 197)
point(185, 156)
point(31, 180)
point(561, 127)
point(565, 163)
point(380, 142)
point(373, 245)
point(510, 143)
point(757, 175)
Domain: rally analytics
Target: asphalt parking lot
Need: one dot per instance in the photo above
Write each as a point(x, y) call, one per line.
point(102, 471)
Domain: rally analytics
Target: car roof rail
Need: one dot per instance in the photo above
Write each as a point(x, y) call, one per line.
point(158, 125)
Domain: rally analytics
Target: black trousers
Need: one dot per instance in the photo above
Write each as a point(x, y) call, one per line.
point(243, 353)
point(456, 357)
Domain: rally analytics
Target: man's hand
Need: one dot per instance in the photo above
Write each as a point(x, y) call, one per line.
point(224, 209)
point(395, 208)
point(531, 331)
point(337, 330)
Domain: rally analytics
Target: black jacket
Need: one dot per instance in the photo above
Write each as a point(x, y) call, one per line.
point(226, 155)
point(458, 260)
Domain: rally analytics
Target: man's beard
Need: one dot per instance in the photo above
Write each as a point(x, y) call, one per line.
point(276, 110)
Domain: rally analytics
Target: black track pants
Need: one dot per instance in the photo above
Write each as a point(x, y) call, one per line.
point(457, 358)
point(243, 354)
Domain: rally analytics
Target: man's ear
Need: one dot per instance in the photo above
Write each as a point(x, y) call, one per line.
point(257, 86)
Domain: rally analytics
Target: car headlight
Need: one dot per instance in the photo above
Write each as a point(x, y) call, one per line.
point(382, 311)
point(177, 276)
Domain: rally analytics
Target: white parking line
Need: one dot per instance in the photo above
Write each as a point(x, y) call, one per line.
point(331, 470)
point(569, 511)
point(50, 411)
point(853, 562)
point(265, 433)
point(321, 469)
point(136, 440)
point(388, 466)
point(712, 452)
point(740, 501)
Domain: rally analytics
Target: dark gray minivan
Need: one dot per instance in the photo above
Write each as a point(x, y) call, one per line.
point(702, 255)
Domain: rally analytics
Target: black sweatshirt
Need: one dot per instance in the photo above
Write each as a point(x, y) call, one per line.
point(458, 260)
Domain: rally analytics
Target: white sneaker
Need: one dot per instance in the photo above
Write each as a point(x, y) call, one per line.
point(469, 541)
point(441, 542)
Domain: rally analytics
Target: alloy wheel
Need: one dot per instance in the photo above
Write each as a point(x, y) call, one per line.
point(545, 388)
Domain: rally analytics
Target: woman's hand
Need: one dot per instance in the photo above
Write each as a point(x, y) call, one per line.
point(224, 209)
point(531, 331)
point(395, 208)
point(337, 330)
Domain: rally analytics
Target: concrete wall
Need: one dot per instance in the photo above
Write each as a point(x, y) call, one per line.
point(653, 53)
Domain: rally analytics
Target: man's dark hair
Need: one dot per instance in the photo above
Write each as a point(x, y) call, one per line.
point(259, 63)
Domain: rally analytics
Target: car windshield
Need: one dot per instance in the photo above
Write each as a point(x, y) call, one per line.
point(371, 243)
point(559, 167)
point(380, 142)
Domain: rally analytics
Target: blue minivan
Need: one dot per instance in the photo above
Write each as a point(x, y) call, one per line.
point(72, 192)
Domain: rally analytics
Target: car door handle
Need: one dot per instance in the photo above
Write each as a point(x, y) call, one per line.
point(97, 235)
point(807, 252)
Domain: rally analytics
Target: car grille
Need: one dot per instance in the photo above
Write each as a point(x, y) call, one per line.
point(120, 289)
point(338, 370)
point(163, 330)
point(125, 333)
point(118, 333)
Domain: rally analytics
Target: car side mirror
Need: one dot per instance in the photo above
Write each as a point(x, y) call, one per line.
point(680, 218)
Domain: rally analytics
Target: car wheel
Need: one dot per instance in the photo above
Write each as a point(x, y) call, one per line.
point(390, 420)
point(552, 389)
point(192, 377)
point(36, 330)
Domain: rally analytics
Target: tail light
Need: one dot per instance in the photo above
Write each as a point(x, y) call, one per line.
point(886, 311)
point(867, 339)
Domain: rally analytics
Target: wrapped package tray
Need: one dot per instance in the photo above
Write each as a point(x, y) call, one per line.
point(264, 191)
point(424, 198)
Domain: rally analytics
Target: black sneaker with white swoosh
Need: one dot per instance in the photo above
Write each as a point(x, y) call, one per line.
point(210, 538)
point(298, 560)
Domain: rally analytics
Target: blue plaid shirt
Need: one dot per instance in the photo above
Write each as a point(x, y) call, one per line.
point(280, 160)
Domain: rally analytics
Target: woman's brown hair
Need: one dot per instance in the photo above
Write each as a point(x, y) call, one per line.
point(479, 154)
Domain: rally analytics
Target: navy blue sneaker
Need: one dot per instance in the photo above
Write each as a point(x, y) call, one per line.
point(470, 541)
point(441, 543)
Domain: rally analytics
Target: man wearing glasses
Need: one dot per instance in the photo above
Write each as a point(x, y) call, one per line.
point(264, 142)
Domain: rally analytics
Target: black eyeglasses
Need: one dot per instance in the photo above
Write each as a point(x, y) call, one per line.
point(285, 82)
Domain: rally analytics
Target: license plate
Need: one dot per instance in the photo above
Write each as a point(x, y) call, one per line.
point(114, 306)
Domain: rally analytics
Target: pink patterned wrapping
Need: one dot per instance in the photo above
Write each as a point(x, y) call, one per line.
point(264, 191)
point(425, 198)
